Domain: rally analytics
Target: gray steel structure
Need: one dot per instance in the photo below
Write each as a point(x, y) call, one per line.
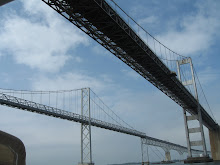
point(86, 136)
point(198, 116)
point(3, 2)
point(102, 23)
point(30, 106)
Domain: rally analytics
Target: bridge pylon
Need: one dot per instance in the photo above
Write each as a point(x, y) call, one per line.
point(86, 145)
point(144, 152)
point(167, 156)
point(214, 136)
point(198, 116)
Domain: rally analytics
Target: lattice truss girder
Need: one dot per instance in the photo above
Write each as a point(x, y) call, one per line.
point(31, 106)
point(167, 146)
point(97, 19)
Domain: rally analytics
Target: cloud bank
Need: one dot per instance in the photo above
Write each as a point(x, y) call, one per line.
point(43, 40)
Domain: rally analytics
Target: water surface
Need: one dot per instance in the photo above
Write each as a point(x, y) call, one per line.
point(179, 163)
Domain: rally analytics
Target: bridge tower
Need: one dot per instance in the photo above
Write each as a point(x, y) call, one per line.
point(86, 145)
point(144, 152)
point(187, 118)
point(167, 155)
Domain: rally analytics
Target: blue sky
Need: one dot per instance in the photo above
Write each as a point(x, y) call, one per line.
point(40, 50)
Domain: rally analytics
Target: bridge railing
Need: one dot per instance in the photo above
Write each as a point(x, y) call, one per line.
point(166, 55)
point(25, 104)
point(31, 106)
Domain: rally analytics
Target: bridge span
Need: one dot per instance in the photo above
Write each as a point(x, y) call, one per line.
point(26, 105)
point(100, 21)
point(105, 25)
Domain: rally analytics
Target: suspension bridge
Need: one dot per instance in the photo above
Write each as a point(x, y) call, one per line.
point(82, 106)
point(170, 72)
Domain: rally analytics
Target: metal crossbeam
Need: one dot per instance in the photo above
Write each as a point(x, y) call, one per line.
point(30, 106)
point(98, 20)
point(198, 115)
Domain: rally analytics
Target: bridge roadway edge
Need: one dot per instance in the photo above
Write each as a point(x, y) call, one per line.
point(213, 130)
point(98, 20)
point(3, 2)
point(14, 102)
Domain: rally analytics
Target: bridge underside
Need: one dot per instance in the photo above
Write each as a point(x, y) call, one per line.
point(3, 2)
point(30, 106)
point(97, 19)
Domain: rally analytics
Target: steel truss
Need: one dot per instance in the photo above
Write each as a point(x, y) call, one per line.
point(98, 20)
point(3, 2)
point(197, 116)
point(30, 106)
point(167, 146)
point(86, 142)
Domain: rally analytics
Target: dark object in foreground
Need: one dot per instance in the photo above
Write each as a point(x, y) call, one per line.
point(12, 150)
point(3, 2)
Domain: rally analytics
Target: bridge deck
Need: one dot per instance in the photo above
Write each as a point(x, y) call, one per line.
point(97, 19)
point(30, 106)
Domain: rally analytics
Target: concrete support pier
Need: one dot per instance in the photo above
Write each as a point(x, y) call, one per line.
point(215, 144)
point(86, 164)
point(168, 157)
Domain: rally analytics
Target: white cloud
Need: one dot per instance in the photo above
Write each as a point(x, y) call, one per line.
point(137, 10)
point(100, 50)
point(107, 78)
point(68, 81)
point(130, 73)
point(208, 75)
point(44, 45)
point(78, 59)
point(196, 34)
point(192, 33)
point(36, 7)
point(148, 20)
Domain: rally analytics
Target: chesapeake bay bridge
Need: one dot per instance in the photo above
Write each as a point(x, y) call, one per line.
point(170, 72)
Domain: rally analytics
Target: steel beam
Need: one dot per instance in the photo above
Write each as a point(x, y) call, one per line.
point(197, 116)
point(98, 19)
point(30, 106)
point(3, 2)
